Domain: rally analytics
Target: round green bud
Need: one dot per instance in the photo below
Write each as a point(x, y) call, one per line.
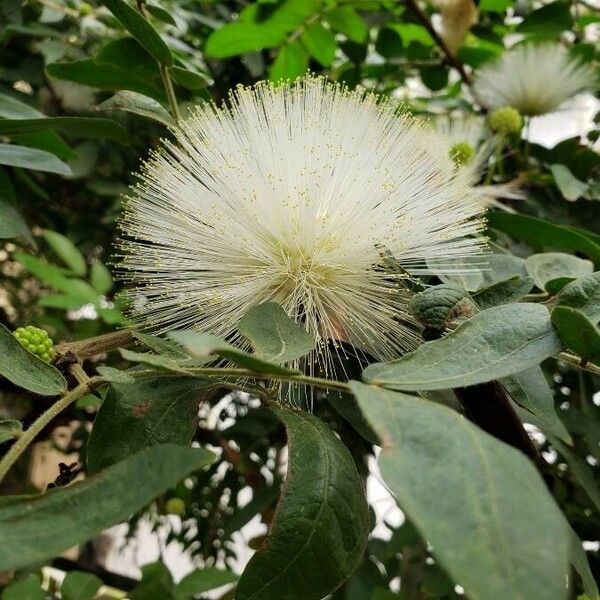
point(505, 120)
point(85, 8)
point(462, 153)
point(175, 506)
point(36, 340)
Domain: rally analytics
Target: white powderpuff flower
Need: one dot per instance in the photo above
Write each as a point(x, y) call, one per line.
point(451, 132)
point(533, 78)
point(293, 194)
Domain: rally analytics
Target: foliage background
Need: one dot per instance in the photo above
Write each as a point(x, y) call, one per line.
point(75, 59)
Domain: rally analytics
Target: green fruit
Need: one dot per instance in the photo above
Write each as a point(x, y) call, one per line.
point(36, 340)
point(175, 506)
point(462, 153)
point(505, 120)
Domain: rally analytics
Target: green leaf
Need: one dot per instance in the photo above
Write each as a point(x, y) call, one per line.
point(10, 429)
point(503, 292)
point(496, 342)
point(347, 406)
point(577, 332)
point(143, 414)
point(156, 361)
point(141, 30)
point(347, 21)
point(203, 580)
point(100, 278)
point(549, 20)
point(161, 345)
point(12, 155)
point(138, 104)
point(78, 585)
point(273, 335)
point(321, 525)
point(12, 224)
point(190, 79)
point(29, 588)
point(115, 375)
point(26, 370)
point(535, 399)
point(455, 482)
point(319, 43)
point(203, 345)
point(539, 233)
point(61, 301)
point(66, 251)
point(550, 266)
point(80, 126)
point(35, 528)
point(291, 62)
point(570, 187)
point(256, 30)
point(434, 77)
point(584, 295)
point(161, 14)
point(157, 583)
point(580, 563)
point(411, 32)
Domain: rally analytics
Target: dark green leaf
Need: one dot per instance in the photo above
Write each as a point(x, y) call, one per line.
point(141, 30)
point(12, 155)
point(157, 584)
point(550, 19)
point(584, 295)
point(438, 305)
point(497, 342)
point(143, 414)
point(291, 62)
point(12, 224)
point(29, 588)
point(78, 585)
point(539, 233)
point(577, 332)
point(138, 104)
point(163, 363)
point(66, 251)
point(321, 525)
point(203, 345)
point(319, 43)
point(79, 126)
point(34, 528)
point(190, 79)
point(549, 266)
point(26, 370)
point(161, 14)
point(273, 335)
point(580, 563)
point(456, 482)
point(203, 580)
point(10, 429)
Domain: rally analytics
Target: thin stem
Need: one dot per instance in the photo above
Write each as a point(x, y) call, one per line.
point(450, 58)
point(20, 445)
point(577, 361)
point(166, 78)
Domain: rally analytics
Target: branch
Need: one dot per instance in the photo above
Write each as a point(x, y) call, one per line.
point(96, 345)
point(450, 58)
point(577, 361)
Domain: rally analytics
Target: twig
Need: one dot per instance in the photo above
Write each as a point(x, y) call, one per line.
point(96, 345)
point(450, 58)
point(577, 361)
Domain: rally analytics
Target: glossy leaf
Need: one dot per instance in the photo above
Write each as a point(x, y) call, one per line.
point(203, 580)
point(320, 530)
point(141, 30)
point(161, 14)
point(320, 43)
point(138, 104)
point(34, 528)
point(456, 482)
point(347, 21)
point(12, 155)
point(78, 585)
point(79, 126)
point(497, 342)
point(577, 332)
point(143, 414)
point(273, 335)
point(26, 370)
point(291, 62)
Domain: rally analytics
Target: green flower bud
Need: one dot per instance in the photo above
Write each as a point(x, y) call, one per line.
point(36, 340)
point(505, 120)
point(85, 8)
point(175, 506)
point(462, 153)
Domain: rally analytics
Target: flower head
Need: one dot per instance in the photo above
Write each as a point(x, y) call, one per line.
point(505, 120)
point(293, 194)
point(533, 78)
